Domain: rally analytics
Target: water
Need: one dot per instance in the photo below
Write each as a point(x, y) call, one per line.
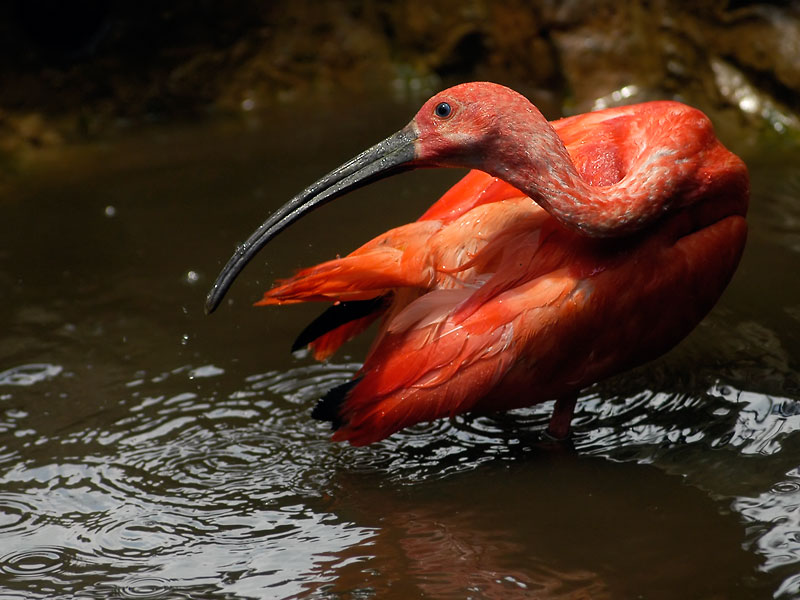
point(147, 450)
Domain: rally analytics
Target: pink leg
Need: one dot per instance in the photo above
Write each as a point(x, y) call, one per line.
point(558, 429)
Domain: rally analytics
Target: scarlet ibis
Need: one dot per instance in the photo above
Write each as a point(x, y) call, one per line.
point(572, 250)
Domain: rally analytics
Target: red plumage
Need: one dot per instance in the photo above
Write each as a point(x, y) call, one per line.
point(630, 225)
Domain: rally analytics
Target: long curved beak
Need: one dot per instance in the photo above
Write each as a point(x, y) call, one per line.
point(393, 155)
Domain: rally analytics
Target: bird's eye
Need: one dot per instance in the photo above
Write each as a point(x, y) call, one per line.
point(443, 110)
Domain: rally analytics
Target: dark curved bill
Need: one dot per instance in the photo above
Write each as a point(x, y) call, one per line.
point(391, 156)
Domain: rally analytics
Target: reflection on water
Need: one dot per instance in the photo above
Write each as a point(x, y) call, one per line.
point(29, 374)
point(149, 451)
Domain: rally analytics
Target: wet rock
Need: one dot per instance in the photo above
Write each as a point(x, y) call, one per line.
point(764, 40)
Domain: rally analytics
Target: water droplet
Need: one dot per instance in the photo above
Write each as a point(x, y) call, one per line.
point(192, 276)
point(184, 339)
point(110, 211)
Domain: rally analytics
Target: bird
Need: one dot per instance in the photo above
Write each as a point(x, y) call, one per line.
point(571, 251)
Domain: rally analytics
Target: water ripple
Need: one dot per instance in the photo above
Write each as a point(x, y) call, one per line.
point(145, 587)
point(190, 474)
point(241, 480)
point(778, 511)
point(763, 420)
point(27, 375)
point(16, 515)
point(34, 562)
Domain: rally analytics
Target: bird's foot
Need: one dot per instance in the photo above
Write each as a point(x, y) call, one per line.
point(559, 428)
point(556, 438)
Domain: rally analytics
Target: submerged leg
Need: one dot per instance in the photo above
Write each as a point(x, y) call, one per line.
point(558, 429)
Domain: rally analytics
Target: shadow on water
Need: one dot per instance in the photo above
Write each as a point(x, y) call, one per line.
point(147, 450)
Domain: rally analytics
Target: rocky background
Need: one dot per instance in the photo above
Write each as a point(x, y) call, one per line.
point(78, 69)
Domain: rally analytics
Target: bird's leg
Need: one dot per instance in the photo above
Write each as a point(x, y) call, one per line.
point(558, 429)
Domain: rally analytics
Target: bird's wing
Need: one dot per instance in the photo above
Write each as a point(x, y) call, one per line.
point(421, 256)
point(429, 363)
point(392, 260)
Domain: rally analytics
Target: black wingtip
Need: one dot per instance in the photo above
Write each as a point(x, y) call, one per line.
point(336, 316)
point(329, 406)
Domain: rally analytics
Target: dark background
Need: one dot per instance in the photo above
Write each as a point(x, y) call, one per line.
point(80, 69)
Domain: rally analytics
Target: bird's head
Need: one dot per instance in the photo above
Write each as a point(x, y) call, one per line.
point(471, 125)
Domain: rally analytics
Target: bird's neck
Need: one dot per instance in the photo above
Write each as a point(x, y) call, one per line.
point(538, 164)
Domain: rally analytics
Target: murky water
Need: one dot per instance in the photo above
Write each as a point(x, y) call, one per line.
point(147, 450)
